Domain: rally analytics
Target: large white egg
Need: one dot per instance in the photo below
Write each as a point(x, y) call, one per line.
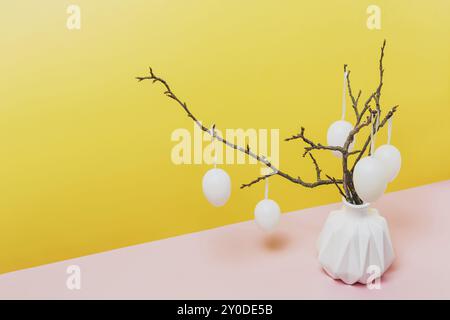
point(267, 214)
point(217, 186)
point(391, 158)
point(369, 179)
point(337, 135)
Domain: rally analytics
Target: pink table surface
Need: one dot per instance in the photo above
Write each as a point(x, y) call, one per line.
point(241, 262)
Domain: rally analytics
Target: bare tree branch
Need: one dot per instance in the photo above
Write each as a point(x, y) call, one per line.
point(169, 93)
point(376, 95)
point(352, 97)
point(347, 177)
point(348, 192)
point(319, 181)
point(348, 174)
point(318, 170)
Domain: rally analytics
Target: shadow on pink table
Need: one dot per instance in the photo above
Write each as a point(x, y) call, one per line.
point(240, 261)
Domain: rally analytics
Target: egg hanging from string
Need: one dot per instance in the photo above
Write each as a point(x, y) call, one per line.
point(390, 156)
point(370, 175)
point(369, 179)
point(338, 131)
point(337, 135)
point(391, 159)
point(216, 186)
point(267, 212)
point(216, 183)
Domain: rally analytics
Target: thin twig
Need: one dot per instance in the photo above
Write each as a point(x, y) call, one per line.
point(352, 97)
point(375, 95)
point(318, 170)
point(261, 178)
point(313, 145)
point(337, 186)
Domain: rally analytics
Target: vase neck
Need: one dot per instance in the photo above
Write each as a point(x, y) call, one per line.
point(356, 208)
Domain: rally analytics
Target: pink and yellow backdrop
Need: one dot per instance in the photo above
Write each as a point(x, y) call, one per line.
point(86, 151)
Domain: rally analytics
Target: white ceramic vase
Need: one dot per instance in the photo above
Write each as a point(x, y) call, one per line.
point(355, 244)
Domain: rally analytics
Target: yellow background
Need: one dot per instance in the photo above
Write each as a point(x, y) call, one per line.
point(85, 149)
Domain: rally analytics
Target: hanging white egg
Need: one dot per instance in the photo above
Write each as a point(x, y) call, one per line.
point(216, 186)
point(369, 179)
point(337, 135)
point(391, 158)
point(267, 214)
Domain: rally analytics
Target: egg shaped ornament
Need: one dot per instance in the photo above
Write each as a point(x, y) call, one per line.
point(267, 214)
point(369, 179)
point(337, 135)
point(216, 186)
point(391, 158)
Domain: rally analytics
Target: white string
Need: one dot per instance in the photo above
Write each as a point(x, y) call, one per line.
point(389, 130)
point(266, 190)
point(213, 141)
point(343, 96)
